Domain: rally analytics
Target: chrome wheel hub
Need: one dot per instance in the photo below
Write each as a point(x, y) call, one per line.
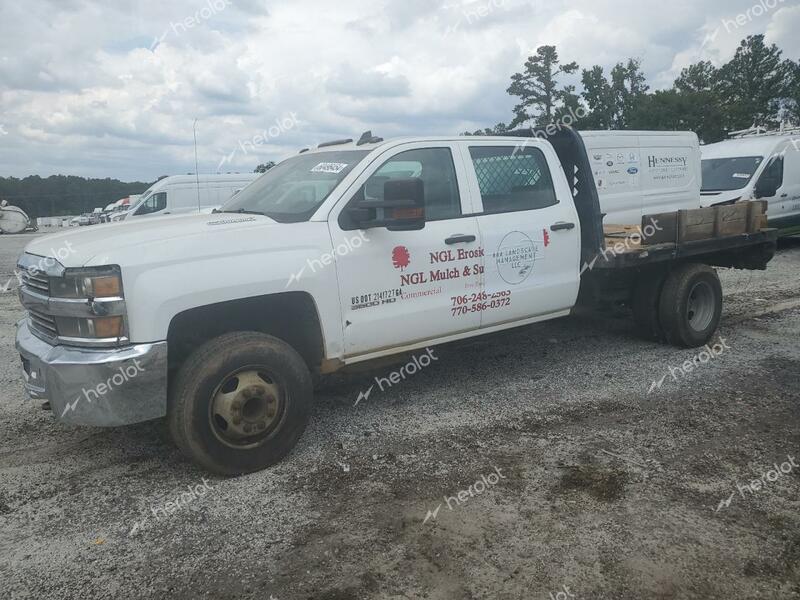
point(701, 306)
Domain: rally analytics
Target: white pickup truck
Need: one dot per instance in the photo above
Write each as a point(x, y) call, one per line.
point(339, 255)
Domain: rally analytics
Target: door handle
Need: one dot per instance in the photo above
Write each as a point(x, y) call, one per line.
point(784, 195)
point(560, 226)
point(459, 239)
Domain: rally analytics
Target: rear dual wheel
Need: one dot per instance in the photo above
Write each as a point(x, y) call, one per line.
point(682, 308)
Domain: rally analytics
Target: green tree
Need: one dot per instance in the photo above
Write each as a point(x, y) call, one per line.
point(612, 102)
point(629, 86)
point(754, 84)
point(673, 110)
point(264, 167)
point(60, 195)
point(699, 77)
point(792, 104)
point(537, 87)
point(498, 129)
point(599, 98)
point(698, 86)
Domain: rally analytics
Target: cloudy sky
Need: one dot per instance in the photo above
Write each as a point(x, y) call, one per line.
point(111, 89)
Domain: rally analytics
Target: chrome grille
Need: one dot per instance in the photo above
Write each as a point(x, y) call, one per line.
point(36, 281)
point(44, 324)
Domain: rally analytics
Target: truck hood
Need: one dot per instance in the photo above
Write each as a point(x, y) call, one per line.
point(116, 243)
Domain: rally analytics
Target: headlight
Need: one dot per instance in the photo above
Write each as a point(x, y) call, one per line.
point(88, 284)
point(100, 328)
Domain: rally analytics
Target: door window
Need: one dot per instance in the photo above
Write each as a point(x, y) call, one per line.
point(772, 177)
point(511, 179)
point(154, 203)
point(436, 169)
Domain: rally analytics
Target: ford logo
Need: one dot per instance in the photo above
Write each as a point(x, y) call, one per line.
point(633, 170)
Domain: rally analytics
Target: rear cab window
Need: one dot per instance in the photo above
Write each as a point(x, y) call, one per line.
point(512, 178)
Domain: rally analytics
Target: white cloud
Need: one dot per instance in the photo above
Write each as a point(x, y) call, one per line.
point(82, 93)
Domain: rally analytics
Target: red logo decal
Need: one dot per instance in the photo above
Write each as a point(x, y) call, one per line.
point(400, 257)
point(546, 238)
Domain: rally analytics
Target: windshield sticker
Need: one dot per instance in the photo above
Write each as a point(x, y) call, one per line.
point(741, 175)
point(329, 168)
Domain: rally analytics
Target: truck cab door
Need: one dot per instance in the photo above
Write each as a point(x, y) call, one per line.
point(398, 288)
point(530, 230)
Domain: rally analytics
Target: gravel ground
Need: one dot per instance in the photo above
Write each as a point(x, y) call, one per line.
point(567, 478)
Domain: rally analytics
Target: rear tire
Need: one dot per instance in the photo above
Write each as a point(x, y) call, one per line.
point(240, 403)
point(691, 305)
point(646, 297)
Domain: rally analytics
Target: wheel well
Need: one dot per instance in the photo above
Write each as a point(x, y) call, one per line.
point(291, 316)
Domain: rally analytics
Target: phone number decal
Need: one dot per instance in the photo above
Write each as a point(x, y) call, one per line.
point(479, 302)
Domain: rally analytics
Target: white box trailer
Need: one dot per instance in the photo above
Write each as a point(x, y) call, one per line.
point(644, 172)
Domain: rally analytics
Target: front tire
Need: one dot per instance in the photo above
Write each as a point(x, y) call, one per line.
point(690, 307)
point(240, 403)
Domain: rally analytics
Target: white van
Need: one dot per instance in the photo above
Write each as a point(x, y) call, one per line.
point(764, 166)
point(644, 172)
point(180, 194)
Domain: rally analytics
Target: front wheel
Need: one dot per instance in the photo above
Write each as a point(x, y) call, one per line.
point(690, 306)
point(240, 403)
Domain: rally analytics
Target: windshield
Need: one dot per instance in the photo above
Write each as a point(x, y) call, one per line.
point(725, 174)
point(294, 189)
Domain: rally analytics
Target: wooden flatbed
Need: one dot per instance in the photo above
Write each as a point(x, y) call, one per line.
point(732, 233)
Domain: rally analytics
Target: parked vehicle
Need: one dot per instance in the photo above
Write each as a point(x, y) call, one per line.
point(644, 172)
point(181, 194)
point(122, 208)
point(13, 219)
point(756, 166)
point(96, 216)
point(343, 254)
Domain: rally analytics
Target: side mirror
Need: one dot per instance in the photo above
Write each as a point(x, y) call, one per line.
point(766, 188)
point(401, 209)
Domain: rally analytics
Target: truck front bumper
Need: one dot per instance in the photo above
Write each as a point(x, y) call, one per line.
point(98, 387)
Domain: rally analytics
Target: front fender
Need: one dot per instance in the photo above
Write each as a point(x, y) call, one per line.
point(156, 293)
